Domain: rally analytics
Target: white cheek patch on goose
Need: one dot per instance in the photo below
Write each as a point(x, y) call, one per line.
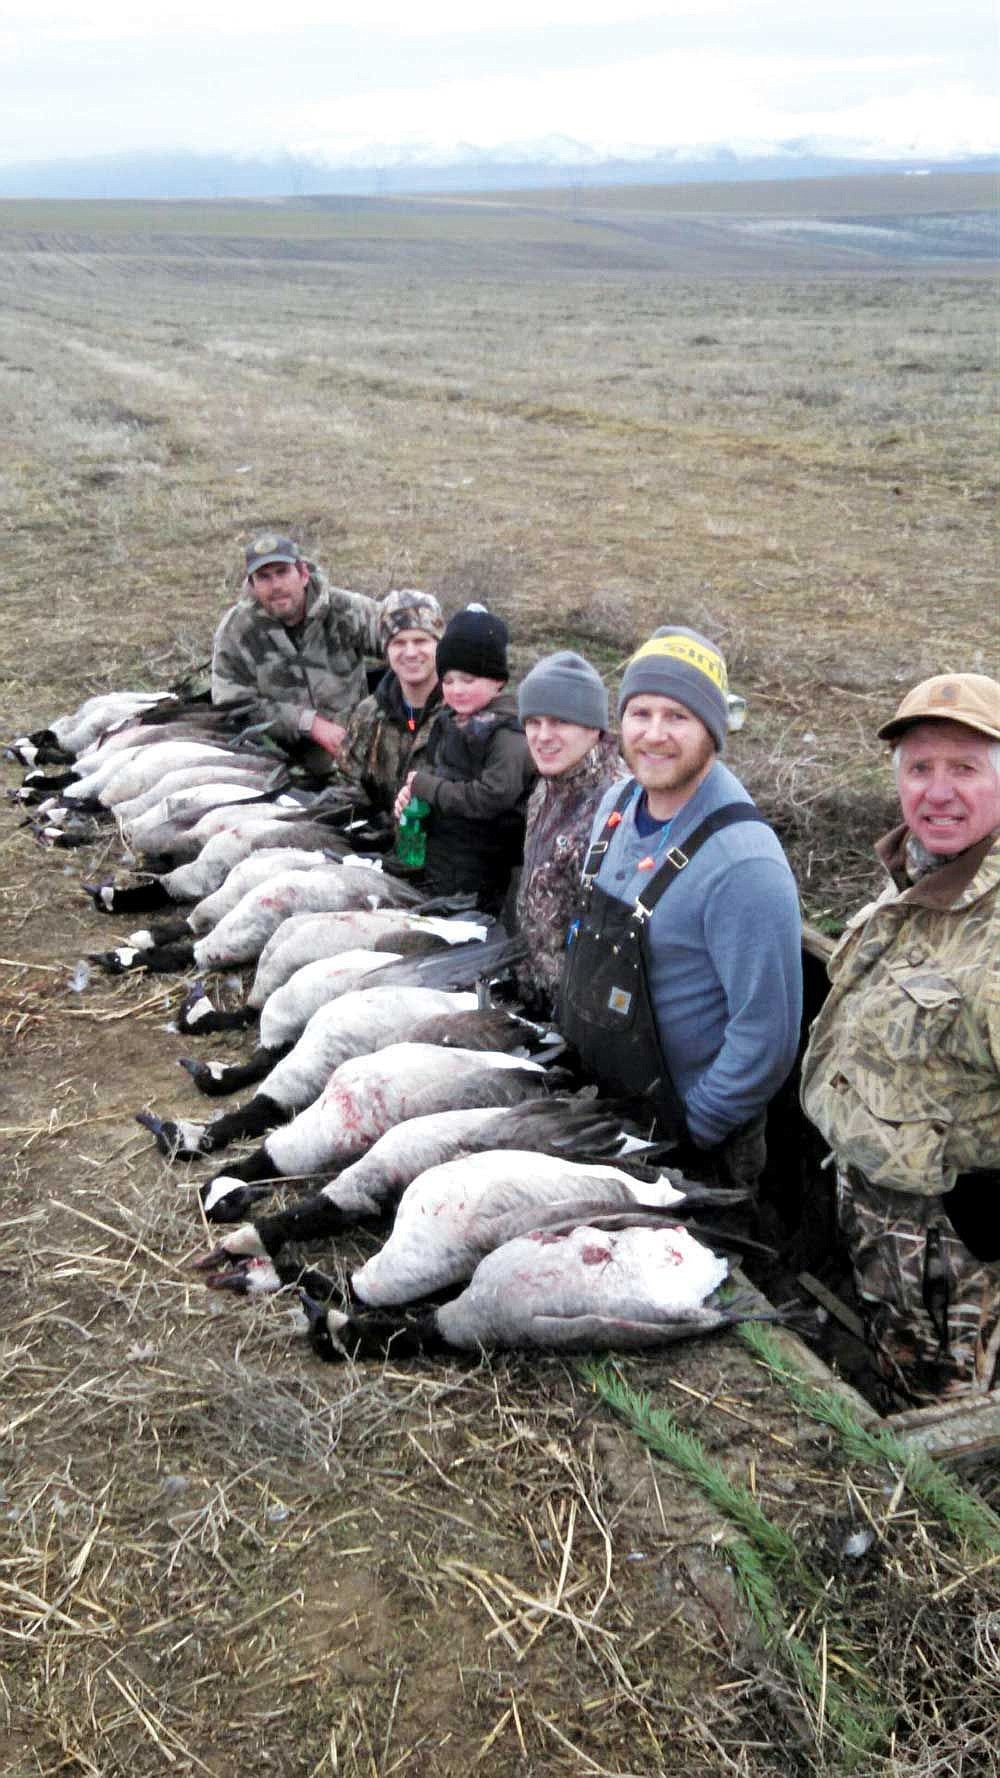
point(142, 940)
point(261, 1278)
point(242, 1243)
point(189, 1135)
point(198, 1011)
point(220, 1188)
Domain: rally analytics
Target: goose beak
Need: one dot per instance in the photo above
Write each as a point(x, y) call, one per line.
point(167, 1134)
point(242, 1244)
point(249, 1277)
point(101, 894)
point(197, 1069)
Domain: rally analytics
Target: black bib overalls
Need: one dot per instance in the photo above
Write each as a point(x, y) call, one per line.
point(605, 1007)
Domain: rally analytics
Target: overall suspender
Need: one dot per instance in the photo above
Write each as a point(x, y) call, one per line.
point(675, 859)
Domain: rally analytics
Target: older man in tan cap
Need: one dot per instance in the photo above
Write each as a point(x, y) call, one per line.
point(902, 1074)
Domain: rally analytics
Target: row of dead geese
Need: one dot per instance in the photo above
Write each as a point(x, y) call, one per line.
point(529, 1205)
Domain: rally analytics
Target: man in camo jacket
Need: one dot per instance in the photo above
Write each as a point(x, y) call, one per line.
point(293, 649)
point(563, 706)
point(902, 1073)
point(389, 730)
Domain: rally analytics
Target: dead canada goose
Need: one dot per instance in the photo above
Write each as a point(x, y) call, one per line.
point(320, 939)
point(216, 859)
point(587, 1139)
point(365, 1097)
point(243, 932)
point(66, 736)
point(355, 1024)
point(450, 1217)
point(589, 1289)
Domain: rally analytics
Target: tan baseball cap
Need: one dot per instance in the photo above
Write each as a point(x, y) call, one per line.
point(972, 699)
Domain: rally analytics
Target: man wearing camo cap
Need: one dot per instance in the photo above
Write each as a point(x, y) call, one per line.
point(902, 1074)
point(389, 730)
point(293, 649)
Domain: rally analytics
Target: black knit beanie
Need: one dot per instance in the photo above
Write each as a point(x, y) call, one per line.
point(474, 642)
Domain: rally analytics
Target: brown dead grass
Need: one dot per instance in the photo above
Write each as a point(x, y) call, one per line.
point(215, 1552)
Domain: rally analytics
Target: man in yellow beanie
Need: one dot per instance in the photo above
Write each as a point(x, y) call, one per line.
point(682, 983)
point(902, 1074)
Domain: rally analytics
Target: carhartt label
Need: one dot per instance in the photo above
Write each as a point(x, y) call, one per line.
point(619, 1000)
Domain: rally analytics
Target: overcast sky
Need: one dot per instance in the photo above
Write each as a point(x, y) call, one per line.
point(341, 78)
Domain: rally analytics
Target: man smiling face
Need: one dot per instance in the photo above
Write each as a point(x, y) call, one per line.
point(949, 785)
point(280, 589)
point(668, 750)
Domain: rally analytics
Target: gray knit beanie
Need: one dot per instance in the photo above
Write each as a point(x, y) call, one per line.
point(681, 664)
point(566, 687)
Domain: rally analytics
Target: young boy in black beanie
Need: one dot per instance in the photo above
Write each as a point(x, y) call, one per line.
point(478, 773)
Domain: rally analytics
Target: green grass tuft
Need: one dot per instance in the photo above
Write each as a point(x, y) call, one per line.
point(966, 1518)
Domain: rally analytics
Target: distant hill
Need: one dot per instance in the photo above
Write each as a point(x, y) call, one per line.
point(158, 176)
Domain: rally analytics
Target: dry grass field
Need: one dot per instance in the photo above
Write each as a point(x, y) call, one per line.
point(771, 418)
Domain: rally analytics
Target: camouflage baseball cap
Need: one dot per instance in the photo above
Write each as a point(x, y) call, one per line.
point(270, 548)
point(409, 609)
point(972, 699)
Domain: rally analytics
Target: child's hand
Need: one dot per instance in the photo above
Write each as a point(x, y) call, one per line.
point(404, 796)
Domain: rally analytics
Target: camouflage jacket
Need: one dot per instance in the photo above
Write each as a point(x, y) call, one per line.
point(385, 739)
point(287, 676)
point(902, 1073)
point(560, 816)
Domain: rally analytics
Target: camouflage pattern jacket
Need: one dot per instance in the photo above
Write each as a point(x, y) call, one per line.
point(902, 1073)
point(287, 676)
point(560, 816)
point(385, 739)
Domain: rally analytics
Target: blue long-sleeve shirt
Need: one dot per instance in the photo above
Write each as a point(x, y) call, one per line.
point(725, 943)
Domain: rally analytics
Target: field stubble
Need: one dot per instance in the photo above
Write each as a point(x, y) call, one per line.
point(216, 1552)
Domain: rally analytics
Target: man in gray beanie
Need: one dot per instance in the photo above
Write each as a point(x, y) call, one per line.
point(683, 979)
point(563, 706)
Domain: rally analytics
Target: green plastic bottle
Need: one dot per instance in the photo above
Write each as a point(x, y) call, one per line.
point(411, 835)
